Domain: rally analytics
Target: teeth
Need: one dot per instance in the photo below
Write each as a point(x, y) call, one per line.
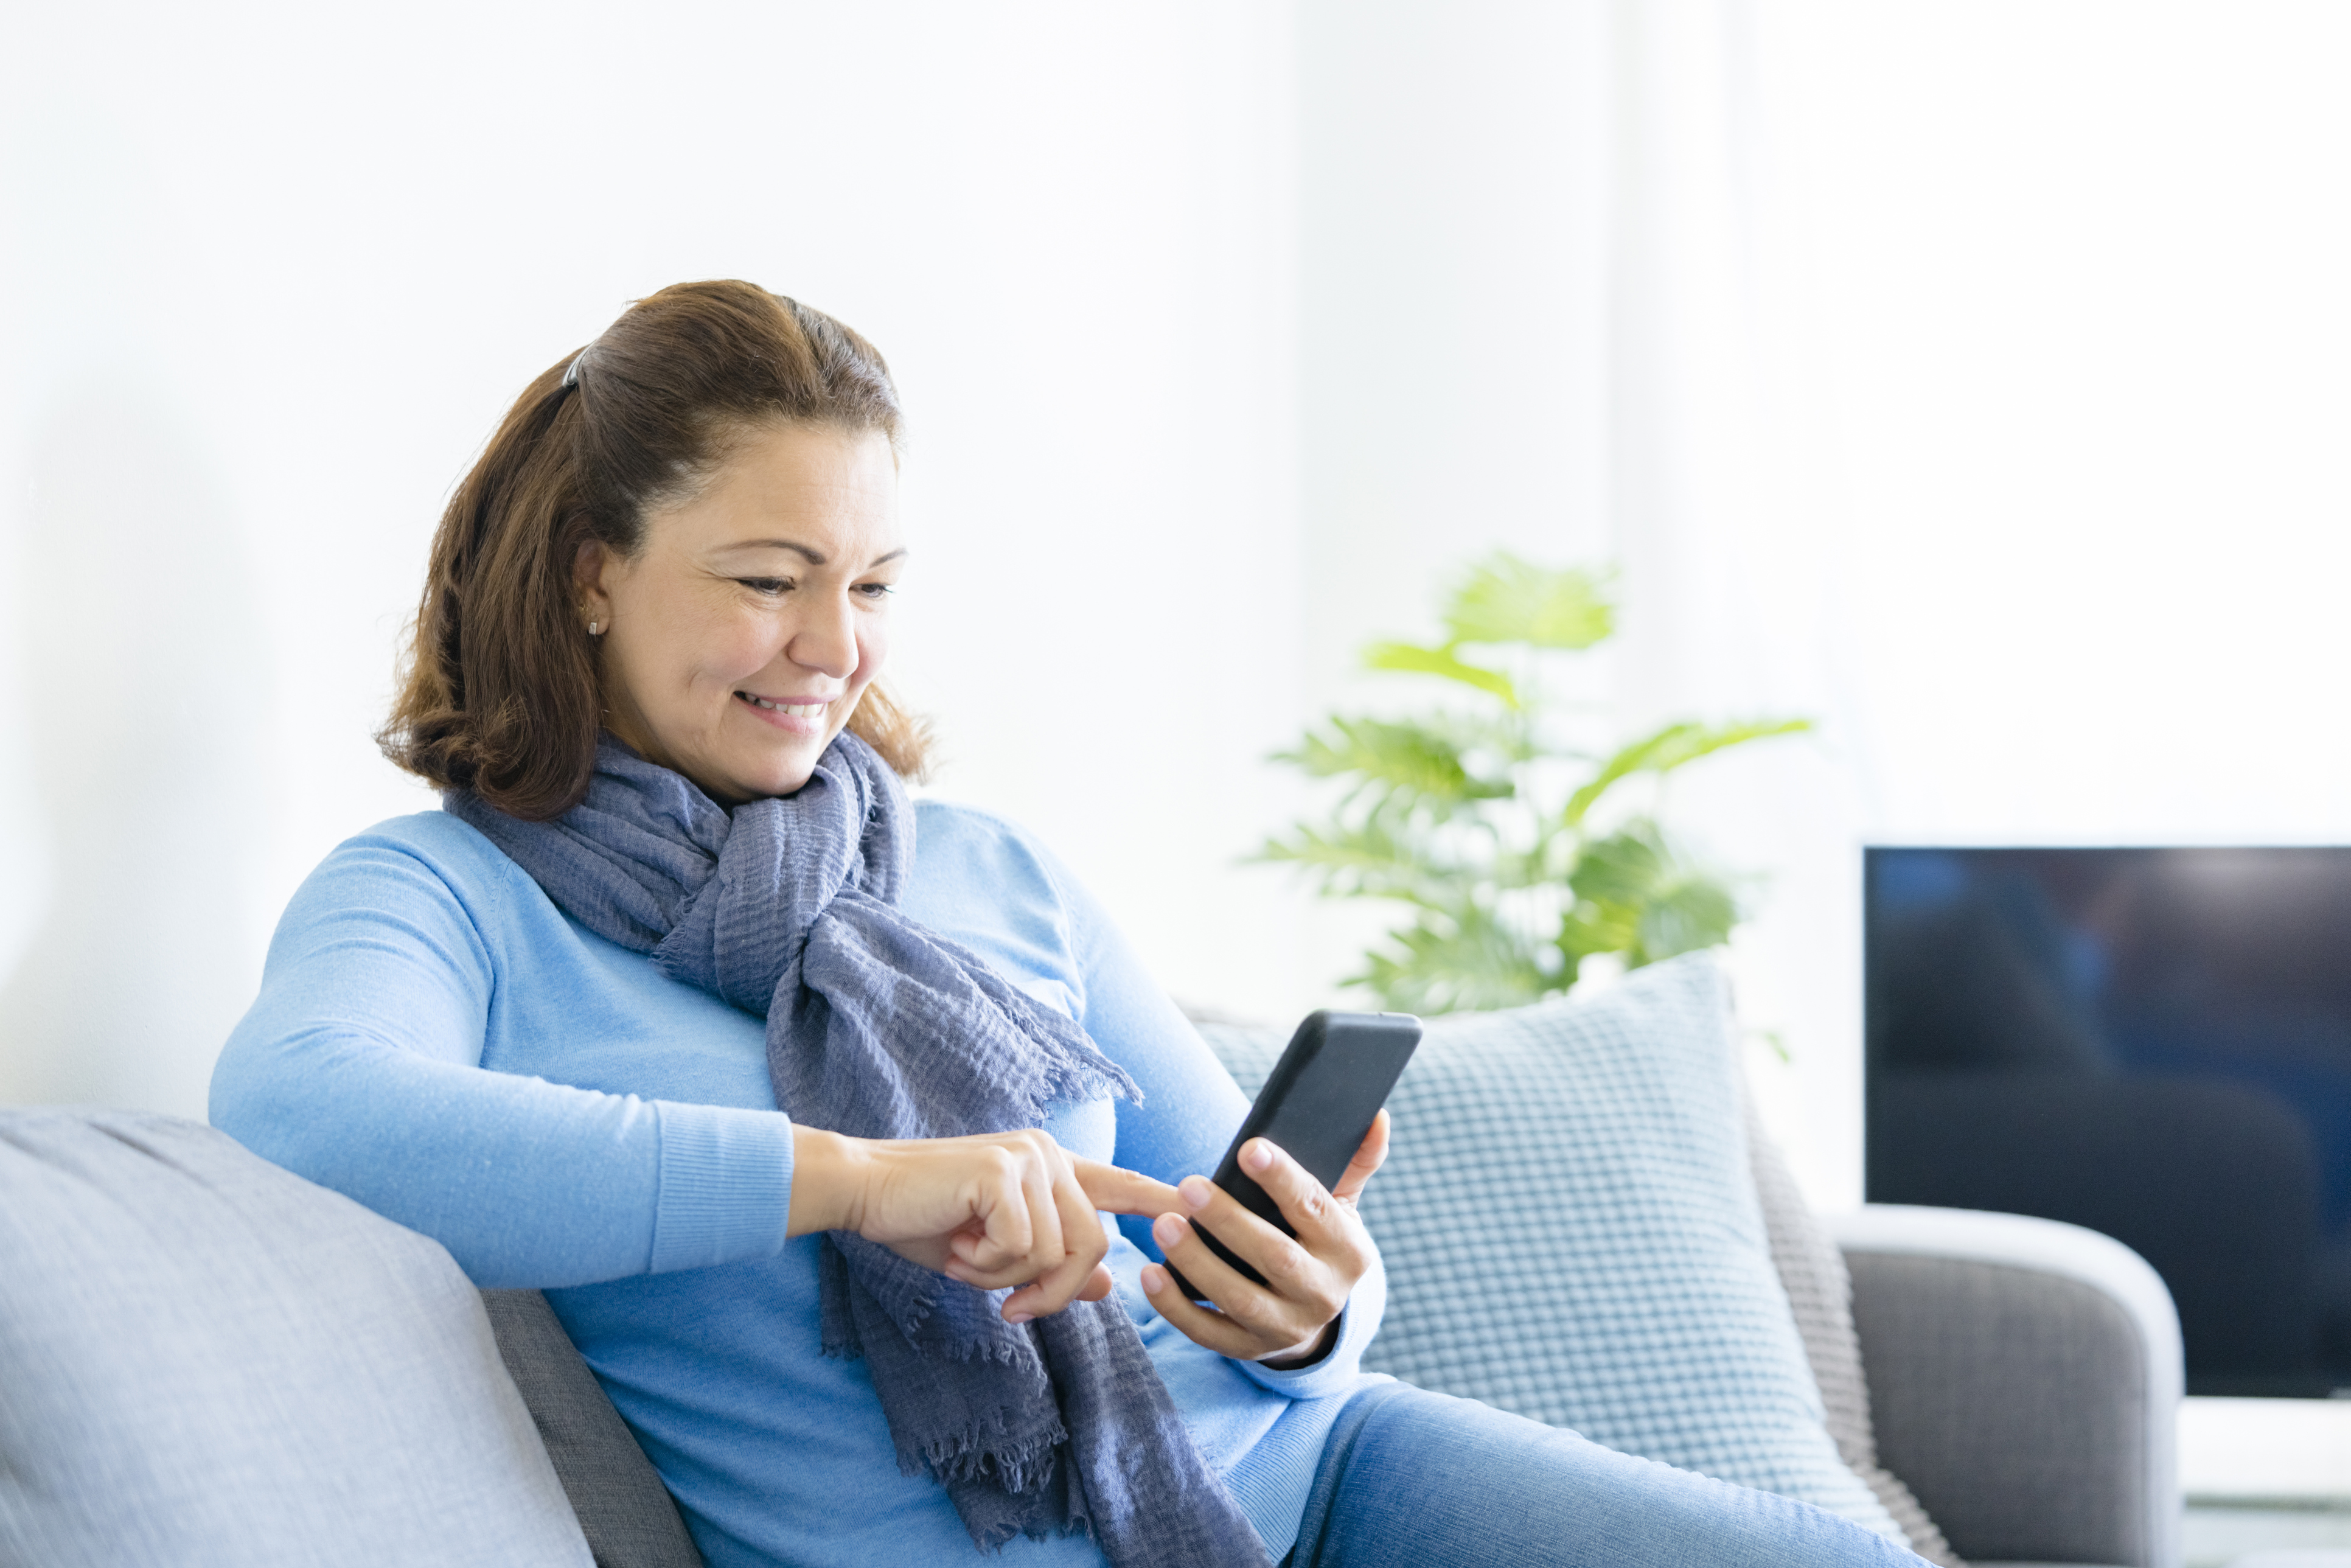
point(803, 710)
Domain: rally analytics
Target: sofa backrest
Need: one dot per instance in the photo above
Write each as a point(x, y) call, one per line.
point(207, 1360)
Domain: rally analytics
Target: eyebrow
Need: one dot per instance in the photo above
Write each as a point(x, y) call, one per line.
point(813, 558)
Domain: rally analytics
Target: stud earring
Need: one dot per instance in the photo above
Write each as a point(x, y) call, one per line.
point(595, 628)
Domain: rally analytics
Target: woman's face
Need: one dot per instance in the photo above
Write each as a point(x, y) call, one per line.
point(738, 640)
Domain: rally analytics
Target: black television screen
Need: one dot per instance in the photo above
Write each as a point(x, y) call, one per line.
point(2155, 1043)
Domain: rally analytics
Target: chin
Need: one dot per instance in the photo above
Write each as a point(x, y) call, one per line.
point(760, 772)
point(784, 775)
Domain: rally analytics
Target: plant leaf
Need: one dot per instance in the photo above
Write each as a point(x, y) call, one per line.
point(1364, 861)
point(1404, 755)
point(1506, 599)
point(1667, 749)
point(1502, 734)
point(1413, 659)
point(1463, 815)
point(1684, 913)
point(1636, 896)
point(1592, 928)
point(1622, 868)
point(1455, 958)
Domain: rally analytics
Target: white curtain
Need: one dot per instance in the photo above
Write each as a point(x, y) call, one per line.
point(1991, 409)
point(1979, 395)
point(1725, 514)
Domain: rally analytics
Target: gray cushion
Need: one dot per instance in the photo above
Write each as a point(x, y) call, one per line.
point(1811, 1271)
point(628, 1516)
point(1572, 1232)
point(205, 1359)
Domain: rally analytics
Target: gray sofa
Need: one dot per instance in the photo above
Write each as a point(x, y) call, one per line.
point(205, 1360)
point(2025, 1379)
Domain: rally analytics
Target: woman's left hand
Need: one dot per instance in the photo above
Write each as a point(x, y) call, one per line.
point(1291, 1318)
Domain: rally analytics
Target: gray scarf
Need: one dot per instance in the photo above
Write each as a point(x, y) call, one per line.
point(880, 1027)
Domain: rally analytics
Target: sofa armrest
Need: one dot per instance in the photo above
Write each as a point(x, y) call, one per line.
point(2025, 1379)
point(626, 1513)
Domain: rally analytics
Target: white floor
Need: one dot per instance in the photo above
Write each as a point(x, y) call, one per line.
point(2264, 1475)
point(2266, 1447)
point(2218, 1533)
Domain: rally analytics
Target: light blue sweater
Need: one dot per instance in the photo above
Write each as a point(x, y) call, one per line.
point(435, 1040)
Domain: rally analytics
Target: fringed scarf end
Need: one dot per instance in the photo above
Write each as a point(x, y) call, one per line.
point(974, 1454)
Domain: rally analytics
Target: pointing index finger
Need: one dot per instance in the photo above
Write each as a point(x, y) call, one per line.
point(1124, 1191)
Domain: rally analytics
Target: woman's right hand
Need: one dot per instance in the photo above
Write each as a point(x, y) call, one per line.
point(992, 1210)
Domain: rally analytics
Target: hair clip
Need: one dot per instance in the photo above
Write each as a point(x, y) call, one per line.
point(571, 370)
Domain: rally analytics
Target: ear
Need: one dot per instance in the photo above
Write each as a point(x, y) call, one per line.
point(588, 570)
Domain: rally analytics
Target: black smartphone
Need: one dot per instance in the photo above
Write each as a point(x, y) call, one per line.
point(1316, 1106)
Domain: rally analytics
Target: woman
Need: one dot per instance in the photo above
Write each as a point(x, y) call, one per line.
point(802, 1101)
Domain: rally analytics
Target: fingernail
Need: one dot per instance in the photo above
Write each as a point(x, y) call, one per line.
point(1258, 1156)
point(1167, 1231)
point(1196, 1190)
point(1017, 1318)
point(1154, 1279)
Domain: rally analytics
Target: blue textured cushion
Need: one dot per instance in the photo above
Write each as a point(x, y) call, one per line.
point(1572, 1232)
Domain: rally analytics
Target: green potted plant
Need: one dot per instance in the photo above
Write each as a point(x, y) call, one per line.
point(1491, 819)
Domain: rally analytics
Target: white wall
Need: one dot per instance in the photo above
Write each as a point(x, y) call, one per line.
point(271, 273)
point(1965, 376)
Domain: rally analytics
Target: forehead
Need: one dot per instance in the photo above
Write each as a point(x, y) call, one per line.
point(828, 491)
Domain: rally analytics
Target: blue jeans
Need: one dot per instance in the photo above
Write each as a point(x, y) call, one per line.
point(1410, 1478)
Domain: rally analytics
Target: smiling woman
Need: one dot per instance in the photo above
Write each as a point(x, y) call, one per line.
point(740, 637)
point(805, 1101)
point(711, 485)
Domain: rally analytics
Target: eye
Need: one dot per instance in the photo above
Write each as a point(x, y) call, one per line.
point(767, 585)
point(876, 591)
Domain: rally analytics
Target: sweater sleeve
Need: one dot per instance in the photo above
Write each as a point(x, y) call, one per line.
point(358, 1068)
point(1191, 1108)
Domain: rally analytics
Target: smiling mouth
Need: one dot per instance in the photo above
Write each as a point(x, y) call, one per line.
point(797, 710)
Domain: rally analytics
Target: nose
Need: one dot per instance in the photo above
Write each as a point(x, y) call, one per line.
point(826, 641)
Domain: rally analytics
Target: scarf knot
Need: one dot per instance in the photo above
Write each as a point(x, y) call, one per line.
point(831, 841)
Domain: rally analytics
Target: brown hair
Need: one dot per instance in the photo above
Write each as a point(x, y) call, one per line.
point(498, 691)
